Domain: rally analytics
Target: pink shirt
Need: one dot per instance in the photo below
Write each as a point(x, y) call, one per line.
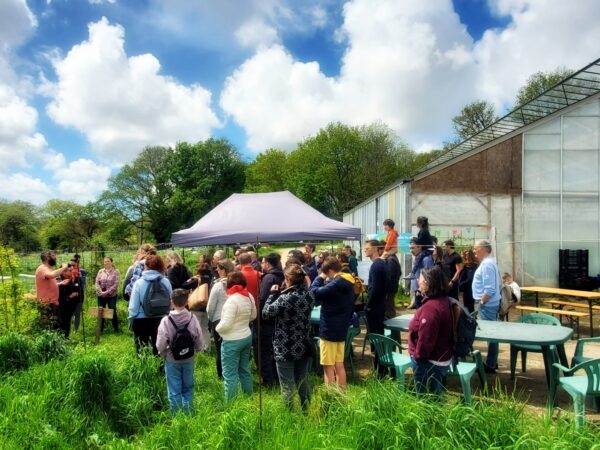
point(46, 289)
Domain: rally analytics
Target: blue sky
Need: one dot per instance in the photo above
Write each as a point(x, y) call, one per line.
point(86, 84)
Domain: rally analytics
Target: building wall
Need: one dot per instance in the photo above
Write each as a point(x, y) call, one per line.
point(495, 170)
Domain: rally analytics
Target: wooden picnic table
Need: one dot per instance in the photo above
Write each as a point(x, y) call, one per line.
point(591, 297)
point(546, 336)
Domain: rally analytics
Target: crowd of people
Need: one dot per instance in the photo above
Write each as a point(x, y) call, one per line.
point(262, 307)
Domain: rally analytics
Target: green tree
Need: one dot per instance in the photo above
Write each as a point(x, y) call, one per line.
point(473, 118)
point(540, 82)
point(140, 195)
point(265, 173)
point(18, 226)
point(342, 165)
point(68, 225)
point(202, 175)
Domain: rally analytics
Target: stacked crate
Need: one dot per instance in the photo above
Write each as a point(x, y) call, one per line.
point(573, 268)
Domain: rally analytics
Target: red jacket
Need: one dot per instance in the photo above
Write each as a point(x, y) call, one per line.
point(430, 331)
point(252, 280)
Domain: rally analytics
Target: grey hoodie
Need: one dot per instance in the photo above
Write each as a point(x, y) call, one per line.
point(166, 332)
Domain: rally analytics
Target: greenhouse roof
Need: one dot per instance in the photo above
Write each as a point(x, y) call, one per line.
point(571, 90)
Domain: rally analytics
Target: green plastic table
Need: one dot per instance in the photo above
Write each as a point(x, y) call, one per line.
point(545, 336)
point(315, 315)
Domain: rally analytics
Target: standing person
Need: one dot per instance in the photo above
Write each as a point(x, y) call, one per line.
point(107, 282)
point(430, 333)
point(129, 274)
point(238, 311)
point(203, 276)
point(426, 242)
point(273, 276)
point(291, 311)
point(337, 300)
point(394, 271)
point(486, 292)
point(421, 262)
point(437, 255)
point(352, 261)
point(453, 266)
point(145, 328)
point(465, 284)
point(376, 290)
point(391, 239)
point(144, 251)
point(177, 272)
point(179, 372)
point(78, 278)
point(46, 287)
point(252, 276)
point(68, 297)
point(217, 256)
point(214, 308)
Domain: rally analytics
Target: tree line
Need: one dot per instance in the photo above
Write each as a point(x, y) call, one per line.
point(166, 189)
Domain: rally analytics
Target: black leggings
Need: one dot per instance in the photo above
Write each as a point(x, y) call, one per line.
point(144, 333)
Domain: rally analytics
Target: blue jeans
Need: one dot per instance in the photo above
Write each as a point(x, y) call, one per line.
point(180, 385)
point(429, 378)
point(235, 358)
point(486, 313)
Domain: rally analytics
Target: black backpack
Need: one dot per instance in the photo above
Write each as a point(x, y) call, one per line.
point(464, 328)
point(182, 344)
point(156, 302)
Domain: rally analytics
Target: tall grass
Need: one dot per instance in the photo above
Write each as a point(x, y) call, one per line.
point(107, 397)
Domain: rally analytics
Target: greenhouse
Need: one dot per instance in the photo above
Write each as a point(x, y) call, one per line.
point(528, 182)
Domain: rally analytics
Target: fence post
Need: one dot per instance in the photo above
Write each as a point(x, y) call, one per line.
point(99, 323)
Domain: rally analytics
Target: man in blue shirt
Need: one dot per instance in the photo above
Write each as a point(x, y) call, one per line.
point(486, 292)
point(422, 263)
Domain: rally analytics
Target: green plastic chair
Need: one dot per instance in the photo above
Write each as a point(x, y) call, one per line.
point(348, 350)
point(537, 318)
point(578, 358)
point(464, 371)
point(579, 387)
point(388, 357)
point(362, 315)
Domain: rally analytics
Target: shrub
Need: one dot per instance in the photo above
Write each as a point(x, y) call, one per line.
point(15, 352)
point(90, 384)
point(49, 345)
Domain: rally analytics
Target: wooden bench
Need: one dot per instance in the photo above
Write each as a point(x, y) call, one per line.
point(560, 303)
point(572, 316)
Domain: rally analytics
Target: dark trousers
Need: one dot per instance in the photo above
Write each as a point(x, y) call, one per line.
point(144, 333)
point(67, 310)
point(268, 369)
point(390, 305)
point(375, 318)
point(453, 291)
point(428, 377)
point(294, 374)
point(112, 304)
point(218, 343)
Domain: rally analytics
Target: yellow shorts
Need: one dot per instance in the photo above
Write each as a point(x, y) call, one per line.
point(331, 352)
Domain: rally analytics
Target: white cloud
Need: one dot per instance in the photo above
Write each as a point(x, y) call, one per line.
point(20, 186)
point(256, 33)
point(122, 103)
point(542, 35)
point(99, 2)
point(401, 62)
point(16, 23)
point(409, 64)
point(18, 135)
point(82, 180)
point(319, 16)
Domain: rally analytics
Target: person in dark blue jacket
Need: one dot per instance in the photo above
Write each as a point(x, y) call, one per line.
point(337, 300)
point(377, 291)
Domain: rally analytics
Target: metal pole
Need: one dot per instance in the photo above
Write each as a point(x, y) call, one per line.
point(258, 341)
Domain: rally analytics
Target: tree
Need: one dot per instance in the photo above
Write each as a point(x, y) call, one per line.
point(540, 82)
point(473, 118)
point(18, 226)
point(265, 173)
point(68, 225)
point(140, 194)
point(342, 165)
point(202, 175)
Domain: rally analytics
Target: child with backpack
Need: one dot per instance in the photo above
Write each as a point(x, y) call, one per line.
point(179, 338)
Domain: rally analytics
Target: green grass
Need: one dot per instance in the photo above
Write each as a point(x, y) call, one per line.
point(106, 397)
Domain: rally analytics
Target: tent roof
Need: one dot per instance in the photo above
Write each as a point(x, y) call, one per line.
point(269, 217)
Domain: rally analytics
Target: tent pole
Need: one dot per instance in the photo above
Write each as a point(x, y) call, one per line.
point(258, 341)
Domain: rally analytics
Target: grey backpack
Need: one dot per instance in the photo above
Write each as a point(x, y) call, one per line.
point(156, 302)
